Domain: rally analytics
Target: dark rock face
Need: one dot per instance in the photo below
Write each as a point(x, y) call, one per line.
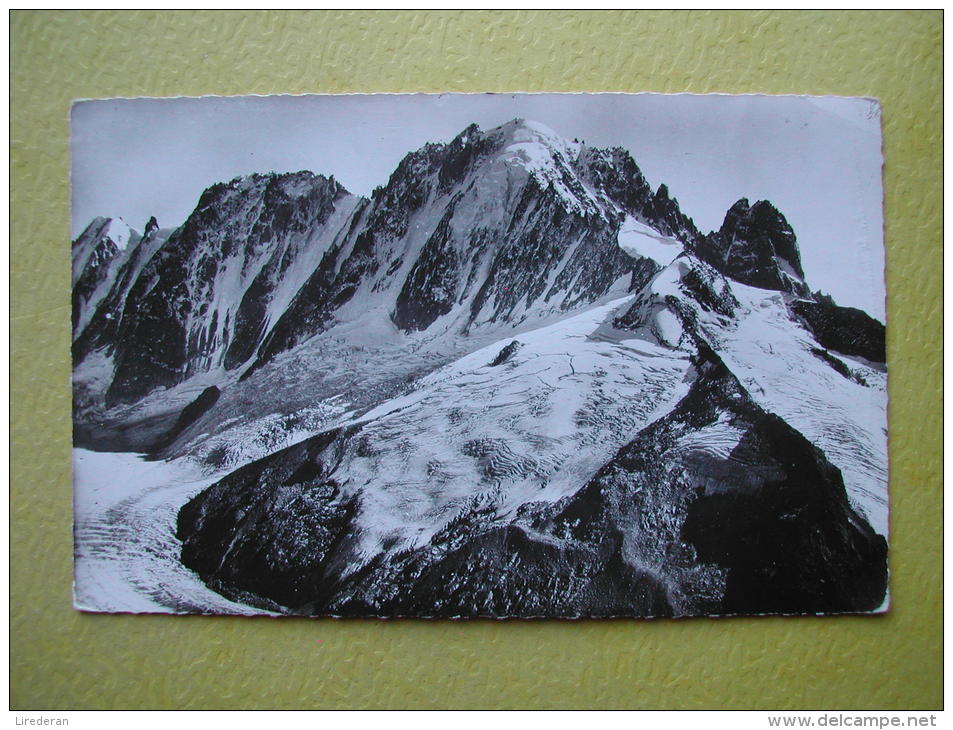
point(703, 285)
point(786, 536)
point(505, 354)
point(283, 216)
point(664, 210)
point(755, 246)
point(839, 365)
point(790, 543)
point(242, 238)
point(102, 329)
point(643, 272)
point(294, 524)
point(462, 155)
point(330, 285)
point(95, 257)
point(91, 279)
point(151, 344)
point(189, 415)
point(614, 172)
point(844, 329)
point(538, 244)
point(93, 269)
point(431, 286)
point(504, 571)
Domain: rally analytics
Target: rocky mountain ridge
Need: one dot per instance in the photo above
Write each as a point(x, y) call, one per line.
point(496, 226)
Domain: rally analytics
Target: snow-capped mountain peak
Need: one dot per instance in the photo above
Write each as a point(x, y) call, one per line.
point(550, 159)
point(98, 253)
point(536, 143)
point(119, 232)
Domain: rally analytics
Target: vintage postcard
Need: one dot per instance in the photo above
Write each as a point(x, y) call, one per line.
point(502, 355)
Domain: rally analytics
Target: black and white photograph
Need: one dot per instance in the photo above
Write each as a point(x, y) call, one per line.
point(479, 355)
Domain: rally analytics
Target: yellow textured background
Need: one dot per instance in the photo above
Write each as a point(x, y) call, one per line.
point(61, 659)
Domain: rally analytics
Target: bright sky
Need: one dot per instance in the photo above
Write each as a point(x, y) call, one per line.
point(818, 159)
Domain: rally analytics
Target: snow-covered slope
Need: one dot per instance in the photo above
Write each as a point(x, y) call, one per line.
point(788, 373)
point(836, 401)
point(642, 241)
point(126, 554)
point(526, 425)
